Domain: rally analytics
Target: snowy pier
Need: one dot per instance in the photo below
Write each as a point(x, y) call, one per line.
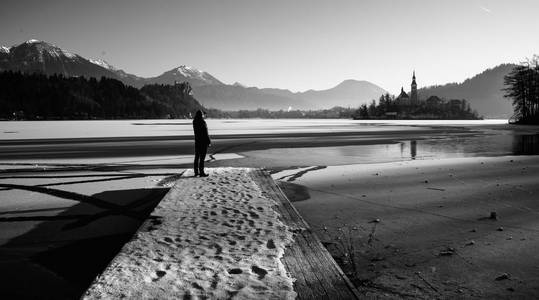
point(233, 234)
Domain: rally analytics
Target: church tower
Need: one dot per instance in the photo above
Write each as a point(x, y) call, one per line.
point(413, 93)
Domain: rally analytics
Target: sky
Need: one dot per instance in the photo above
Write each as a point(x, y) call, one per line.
point(296, 45)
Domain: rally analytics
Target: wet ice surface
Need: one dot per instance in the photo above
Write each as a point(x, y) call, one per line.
point(215, 237)
point(404, 150)
point(170, 160)
point(130, 128)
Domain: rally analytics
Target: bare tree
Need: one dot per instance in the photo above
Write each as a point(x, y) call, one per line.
point(522, 86)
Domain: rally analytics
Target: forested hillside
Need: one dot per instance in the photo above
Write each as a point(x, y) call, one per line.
point(38, 96)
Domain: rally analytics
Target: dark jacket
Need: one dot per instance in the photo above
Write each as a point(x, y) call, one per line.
point(201, 132)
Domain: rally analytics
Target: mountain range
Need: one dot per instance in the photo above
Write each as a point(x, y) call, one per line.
point(43, 57)
point(482, 91)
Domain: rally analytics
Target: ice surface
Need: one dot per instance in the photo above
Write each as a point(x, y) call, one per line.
point(128, 128)
point(217, 239)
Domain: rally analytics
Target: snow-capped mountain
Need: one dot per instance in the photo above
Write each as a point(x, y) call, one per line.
point(34, 56)
point(185, 73)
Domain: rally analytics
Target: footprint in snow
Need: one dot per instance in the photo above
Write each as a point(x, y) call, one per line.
point(158, 275)
point(259, 271)
point(235, 271)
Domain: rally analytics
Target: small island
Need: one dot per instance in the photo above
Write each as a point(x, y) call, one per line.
point(412, 106)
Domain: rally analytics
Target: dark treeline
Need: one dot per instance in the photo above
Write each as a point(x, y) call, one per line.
point(522, 87)
point(433, 108)
point(38, 96)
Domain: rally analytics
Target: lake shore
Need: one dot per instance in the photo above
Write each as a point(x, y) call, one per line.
point(423, 228)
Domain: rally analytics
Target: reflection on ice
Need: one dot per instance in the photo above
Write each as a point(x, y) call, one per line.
point(526, 144)
point(433, 148)
point(469, 147)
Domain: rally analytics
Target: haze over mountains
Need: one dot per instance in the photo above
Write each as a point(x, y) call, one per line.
point(482, 91)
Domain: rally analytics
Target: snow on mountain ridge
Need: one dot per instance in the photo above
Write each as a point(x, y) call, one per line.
point(4, 49)
point(51, 49)
point(102, 64)
point(68, 54)
point(190, 72)
point(193, 73)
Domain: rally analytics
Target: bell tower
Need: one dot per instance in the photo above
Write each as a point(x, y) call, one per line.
point(413, 93)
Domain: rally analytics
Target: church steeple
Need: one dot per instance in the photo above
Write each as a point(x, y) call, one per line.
point(413, 93)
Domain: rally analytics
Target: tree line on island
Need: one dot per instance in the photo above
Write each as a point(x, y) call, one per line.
point(388, 107)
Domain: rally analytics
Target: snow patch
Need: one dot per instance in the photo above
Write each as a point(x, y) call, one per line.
point(210, 238)
point(32, 41)
point(68, 54)
point(102, 63)
point(4, 49)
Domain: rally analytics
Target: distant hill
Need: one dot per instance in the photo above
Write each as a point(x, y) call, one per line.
point(483, 91)
point(233, 97)
point(349, 93)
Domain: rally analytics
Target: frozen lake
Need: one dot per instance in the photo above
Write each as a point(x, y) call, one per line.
point(262, 142)
point(10, 130)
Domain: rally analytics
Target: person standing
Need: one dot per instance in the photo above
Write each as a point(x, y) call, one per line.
point(202, 141)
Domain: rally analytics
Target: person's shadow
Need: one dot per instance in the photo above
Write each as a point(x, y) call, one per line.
point(61, 256)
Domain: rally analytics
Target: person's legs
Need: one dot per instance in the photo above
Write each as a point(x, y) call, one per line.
point(202, 154)
point(197, 158)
